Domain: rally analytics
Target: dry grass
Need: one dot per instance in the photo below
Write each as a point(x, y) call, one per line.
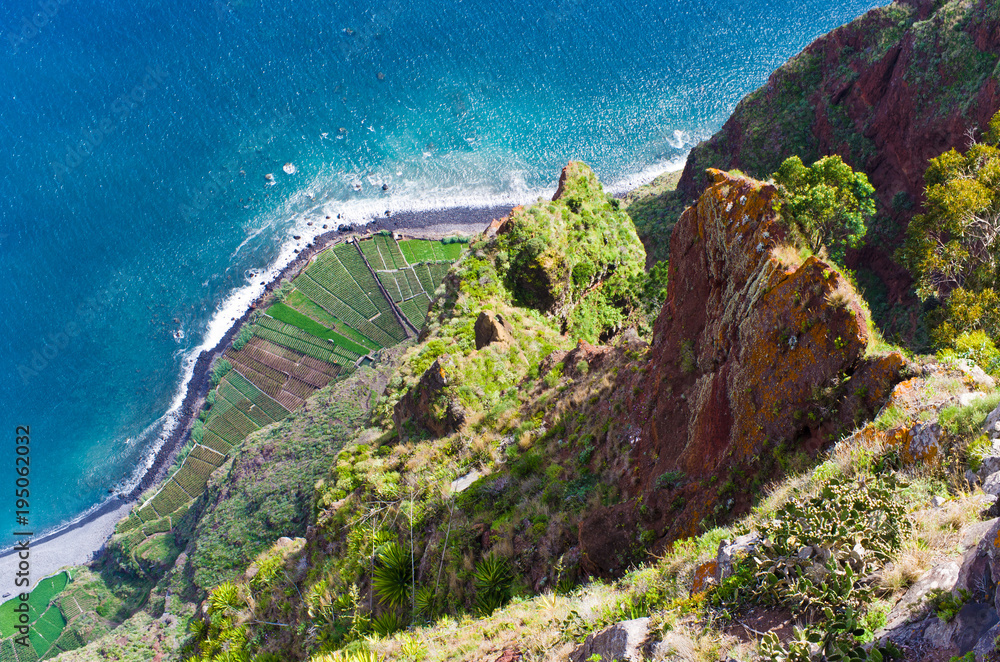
point(533, 626)
point(787, 256)
point(936, 535)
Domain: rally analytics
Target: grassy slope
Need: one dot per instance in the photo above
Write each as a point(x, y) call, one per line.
point(654, 208)
point(706, 626)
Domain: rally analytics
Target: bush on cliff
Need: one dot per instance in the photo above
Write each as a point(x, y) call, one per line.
point(951, 249)
point(827, 204)
point(577, 257)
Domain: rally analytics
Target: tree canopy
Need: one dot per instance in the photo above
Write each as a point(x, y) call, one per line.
point(827, 204)
point(952, 249)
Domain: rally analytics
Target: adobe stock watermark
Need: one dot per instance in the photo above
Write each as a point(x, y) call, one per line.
point(92, 136)
point(221, 180)
point(31, 26)
point(54, 344)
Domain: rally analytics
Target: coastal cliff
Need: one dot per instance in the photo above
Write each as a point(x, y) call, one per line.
point(729, 441)
point(887, 92)
point(756, 355)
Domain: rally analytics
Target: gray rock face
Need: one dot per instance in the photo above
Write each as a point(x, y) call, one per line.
point(991, 462)
point(992, 484)
point(985, 645)
point(926, 440)
point(973, 621)
point(622, 642)
point(732, 550)
point(976, 374)
point(430, 404)
point(992, 419)
point(943, 577)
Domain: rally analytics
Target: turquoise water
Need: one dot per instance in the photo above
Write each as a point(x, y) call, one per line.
point(135, 217)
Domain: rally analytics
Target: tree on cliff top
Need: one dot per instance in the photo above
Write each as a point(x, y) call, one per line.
point(951, 249)
point(827, 204)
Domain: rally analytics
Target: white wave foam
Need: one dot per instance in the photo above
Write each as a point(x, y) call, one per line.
point(296, 214)
point(646, 175)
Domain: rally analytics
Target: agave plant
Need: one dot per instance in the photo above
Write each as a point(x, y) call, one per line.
point(393, 576)
point(493, 583)
point(224, 598)
point(387, 623)
point(342, 656)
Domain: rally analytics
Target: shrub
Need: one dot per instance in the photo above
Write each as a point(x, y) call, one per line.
point(827, 204)
point(815, 551)
point(219, 370)
point(243, 337)
point(975, 346)
point(493, 584)
point(284, 288)
point(393, 576)
point(950, 248)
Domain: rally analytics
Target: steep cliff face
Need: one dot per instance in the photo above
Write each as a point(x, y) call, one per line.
point(887, 92)
point(756, 356)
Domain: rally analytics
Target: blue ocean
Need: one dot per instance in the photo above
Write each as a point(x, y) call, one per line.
point(137, 219)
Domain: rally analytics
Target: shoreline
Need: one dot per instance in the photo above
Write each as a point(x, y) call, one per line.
point(432, 224)
point(84, 539)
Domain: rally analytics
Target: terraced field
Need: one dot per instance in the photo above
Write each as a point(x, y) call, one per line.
point(351, 301)
point(46, 623)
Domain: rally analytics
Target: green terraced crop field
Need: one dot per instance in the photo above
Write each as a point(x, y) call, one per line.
point(45, 621)
point(335, 316)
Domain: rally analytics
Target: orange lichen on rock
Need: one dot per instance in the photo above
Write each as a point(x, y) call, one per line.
point(705, 576)
point(751, 357)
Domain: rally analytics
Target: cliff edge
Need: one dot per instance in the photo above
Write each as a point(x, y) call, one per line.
point(756, 355)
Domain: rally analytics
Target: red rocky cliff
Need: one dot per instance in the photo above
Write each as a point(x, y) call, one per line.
point(756, 356)
point(887, 92)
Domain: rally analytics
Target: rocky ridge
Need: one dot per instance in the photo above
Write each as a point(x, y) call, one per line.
point(887, 92)
point(755, 353)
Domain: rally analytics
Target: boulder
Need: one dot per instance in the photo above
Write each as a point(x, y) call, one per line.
point(922, 445)
point(492, 328)
point(992, 484)
point(973, 621)
point(622, 642)
point(989, 466)
point(430, 405)
point(975, 375)
point(913, 604)
point(731, 551)
point(705, 577)
point(986, 645)
point(509, 655)
point(992, 424)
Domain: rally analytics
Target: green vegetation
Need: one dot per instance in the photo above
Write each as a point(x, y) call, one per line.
point(45, 620)
point(442, 516)
point(827, 204)
point(654, 209)
point(283, 313)
point(951, 248)
point(407, 546)
point(577, 257)
point(279, 359)
point(819, 549)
